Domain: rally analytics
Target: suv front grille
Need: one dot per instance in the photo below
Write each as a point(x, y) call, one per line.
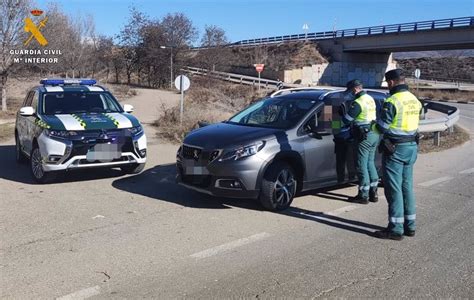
point(191, 152)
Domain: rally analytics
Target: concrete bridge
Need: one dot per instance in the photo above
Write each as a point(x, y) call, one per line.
point(365, 53)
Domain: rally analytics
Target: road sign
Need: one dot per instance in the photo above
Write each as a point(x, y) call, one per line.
point(182, 83)
point(305, 26)
point(259, 67)
point(417, 73)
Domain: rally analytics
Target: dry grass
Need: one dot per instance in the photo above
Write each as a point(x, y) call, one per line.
point(467, 96)
point(122, 91)
point(447, 140)
point(7, 131)
point(210, 102)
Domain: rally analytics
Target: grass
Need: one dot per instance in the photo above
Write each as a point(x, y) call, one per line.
point(13, 105)
point(447, 140)
point(467, 96)
point(208, 101)
point(7, 131)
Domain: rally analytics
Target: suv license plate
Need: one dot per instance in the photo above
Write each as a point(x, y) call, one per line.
point(103, 152)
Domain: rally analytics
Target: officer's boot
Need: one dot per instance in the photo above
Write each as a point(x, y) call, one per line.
point(359, 199)
point(373, 197)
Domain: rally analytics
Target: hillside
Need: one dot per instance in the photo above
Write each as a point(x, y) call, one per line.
point(444, 68)
point(276, 57)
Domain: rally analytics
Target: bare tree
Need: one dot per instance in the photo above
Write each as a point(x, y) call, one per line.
point(130, 39)
point(13, 12)
point(214, 39)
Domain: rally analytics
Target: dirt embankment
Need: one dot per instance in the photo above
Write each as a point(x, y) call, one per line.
point(276, 57)
point(443, 68)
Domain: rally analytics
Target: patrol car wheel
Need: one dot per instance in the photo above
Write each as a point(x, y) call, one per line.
point(279, 186)
point(19, 155)
point(37, 170)
point(133, 168)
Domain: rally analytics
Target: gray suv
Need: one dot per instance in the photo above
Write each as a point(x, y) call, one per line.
point(273, 149)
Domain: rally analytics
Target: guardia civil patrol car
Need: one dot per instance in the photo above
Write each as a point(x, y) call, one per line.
point(67, 124)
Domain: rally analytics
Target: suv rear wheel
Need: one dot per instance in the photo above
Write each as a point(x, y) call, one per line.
point(37, 170)
point(279, 186)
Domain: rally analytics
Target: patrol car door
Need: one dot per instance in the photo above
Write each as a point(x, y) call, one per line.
point(22, 121)
point(30, 123)
point(319, 156)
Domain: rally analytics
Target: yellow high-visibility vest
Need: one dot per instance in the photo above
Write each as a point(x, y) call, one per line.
point(368, 110)
point(407, 116)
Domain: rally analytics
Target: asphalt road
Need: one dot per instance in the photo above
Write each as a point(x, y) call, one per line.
point(100, 234)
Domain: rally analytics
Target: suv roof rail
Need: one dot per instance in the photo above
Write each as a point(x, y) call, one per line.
point(300, 89)
point(68, 81)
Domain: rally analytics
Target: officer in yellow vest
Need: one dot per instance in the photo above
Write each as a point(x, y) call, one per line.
point(399, 124)
point(361, 115)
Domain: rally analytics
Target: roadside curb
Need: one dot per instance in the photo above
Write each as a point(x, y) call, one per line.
point(456, 101)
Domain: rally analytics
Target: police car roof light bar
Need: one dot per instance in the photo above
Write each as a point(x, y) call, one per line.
point(60, 81)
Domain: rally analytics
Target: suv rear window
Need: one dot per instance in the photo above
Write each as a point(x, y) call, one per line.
point(274, 113)
point(78, 102)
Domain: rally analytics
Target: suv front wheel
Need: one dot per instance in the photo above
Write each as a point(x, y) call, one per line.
point(278, 187)
point(37, 170)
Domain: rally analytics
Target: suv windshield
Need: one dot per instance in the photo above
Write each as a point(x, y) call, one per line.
point(79, 102)
point(274, 113)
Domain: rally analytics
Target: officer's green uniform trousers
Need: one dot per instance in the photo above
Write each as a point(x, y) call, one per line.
point(398, 183)
point(366, 170)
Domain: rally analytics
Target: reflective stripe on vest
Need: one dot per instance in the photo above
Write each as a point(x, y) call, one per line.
point(367, 110)
point(407, 116)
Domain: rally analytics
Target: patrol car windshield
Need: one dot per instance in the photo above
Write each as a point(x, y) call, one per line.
point(274, 113)
point(79, 102)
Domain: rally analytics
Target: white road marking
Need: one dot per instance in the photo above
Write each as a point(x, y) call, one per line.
point(342, 210)
point(435, 181)
point(231, 245)
point(98, 217)
point(82, 294)
point(468, 171)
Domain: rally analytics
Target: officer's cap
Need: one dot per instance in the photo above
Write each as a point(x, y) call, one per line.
point(353, 83)
point(394, 74)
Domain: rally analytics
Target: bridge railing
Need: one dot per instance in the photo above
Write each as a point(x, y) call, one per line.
point(365, 31)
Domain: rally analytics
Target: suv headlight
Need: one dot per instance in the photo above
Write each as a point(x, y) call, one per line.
point(59, 134)
point(137, 130)
point(242, 152)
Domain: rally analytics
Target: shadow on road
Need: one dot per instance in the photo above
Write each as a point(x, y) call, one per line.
point(159, 183)
point(333, 221)
point(13, 171)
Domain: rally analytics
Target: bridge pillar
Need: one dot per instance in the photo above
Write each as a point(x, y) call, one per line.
point(369, 68)
point(344, 66)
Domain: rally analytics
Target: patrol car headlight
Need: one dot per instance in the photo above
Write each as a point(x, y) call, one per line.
point(62, 134)
point(136, 130)
point(242, 152)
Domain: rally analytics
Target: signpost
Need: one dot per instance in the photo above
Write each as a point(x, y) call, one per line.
point(259, 69)
point(305, 28)
point(182, 84)
point(417, 76)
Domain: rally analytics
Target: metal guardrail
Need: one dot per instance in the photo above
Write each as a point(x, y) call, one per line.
point(237, 78)
point(365, 31)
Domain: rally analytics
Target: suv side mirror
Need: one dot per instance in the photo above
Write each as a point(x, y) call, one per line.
point(27, 111)
point(128, 108)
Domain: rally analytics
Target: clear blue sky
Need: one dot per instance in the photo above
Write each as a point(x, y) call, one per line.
point(245, 19)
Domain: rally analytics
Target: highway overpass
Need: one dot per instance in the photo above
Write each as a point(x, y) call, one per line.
point(365, 53)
